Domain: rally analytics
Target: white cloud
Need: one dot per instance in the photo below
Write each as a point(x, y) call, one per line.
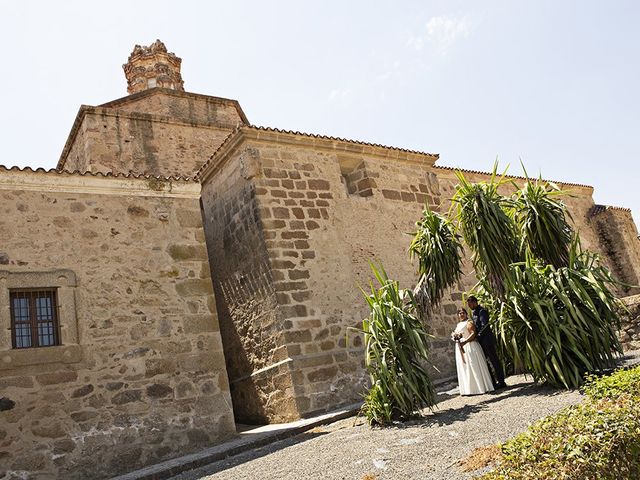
point(415, 42)
point(442, 32)
point(339, 94)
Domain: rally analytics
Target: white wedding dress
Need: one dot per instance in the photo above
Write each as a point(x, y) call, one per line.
point(473, 373)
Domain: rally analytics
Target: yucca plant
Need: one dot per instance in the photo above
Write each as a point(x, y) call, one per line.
point(439, 252)
point(395, 354)
point(553, 310)
point(560, 323)
point(487, 229)
point(541, 222)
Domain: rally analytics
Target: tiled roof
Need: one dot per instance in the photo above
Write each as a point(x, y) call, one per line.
point(480, 172)
point(339, 139)
point(308, 135)
point(97, 174)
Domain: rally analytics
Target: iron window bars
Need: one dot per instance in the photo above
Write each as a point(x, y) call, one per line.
point(34, 318)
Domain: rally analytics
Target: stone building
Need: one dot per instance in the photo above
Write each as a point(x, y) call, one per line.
point(184, 268)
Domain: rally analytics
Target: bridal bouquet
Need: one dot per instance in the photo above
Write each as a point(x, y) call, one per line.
point(456, 337)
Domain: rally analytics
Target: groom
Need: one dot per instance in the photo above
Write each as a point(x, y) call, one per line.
point(487, 341)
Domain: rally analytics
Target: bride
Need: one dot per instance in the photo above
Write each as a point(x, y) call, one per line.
point(473, 373)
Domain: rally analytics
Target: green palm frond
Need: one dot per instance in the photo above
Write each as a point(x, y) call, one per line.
point(561, 323)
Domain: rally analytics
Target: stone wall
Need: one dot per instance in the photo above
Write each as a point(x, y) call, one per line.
point(325, 214)
point(618, 239)
point(250, 324)
point(184, 107)
point(140, 376)
point(630, 331)
point(107, 140)
point(326, 208)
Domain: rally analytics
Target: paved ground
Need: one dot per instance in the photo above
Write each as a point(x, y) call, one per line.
point(425, 449)
point(428, 448)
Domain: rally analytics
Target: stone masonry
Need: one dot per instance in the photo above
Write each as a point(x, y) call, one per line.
point(616, 235)
point(140, 373)
point(159, 131)
point(630, 331)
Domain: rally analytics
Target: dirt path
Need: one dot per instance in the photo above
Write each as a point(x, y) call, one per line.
point(428, 448)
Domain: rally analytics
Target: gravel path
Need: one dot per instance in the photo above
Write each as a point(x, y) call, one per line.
point(428, 448)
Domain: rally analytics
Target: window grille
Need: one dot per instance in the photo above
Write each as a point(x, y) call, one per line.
point(34, 318)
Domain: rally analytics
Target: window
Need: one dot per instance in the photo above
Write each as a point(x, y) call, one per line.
point(38, 309)
point(34, 318)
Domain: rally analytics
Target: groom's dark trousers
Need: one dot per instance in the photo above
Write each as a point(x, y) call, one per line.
point(488, 343)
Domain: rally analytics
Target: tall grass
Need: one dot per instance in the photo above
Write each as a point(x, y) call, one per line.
point(395, 354)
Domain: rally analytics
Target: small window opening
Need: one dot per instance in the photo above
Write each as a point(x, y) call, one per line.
point(34, 318)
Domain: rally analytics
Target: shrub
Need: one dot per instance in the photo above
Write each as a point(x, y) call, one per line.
point(554, 312)
point(560, 323)
point(487, 229)
point(598, 439)
point(621, 382)
point(541, 222)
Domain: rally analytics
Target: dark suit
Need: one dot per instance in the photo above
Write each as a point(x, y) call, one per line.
point(488, 342)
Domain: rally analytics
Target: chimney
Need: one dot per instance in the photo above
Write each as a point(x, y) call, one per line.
point(152, 66)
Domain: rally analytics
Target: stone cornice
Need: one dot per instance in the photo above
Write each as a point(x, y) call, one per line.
point(316, 142)
point(111, 112)
point(53, 181)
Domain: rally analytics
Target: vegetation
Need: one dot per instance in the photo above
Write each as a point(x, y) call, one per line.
point(487, 230)
point(395, 354)
point(395, 338)
point(552, 308)
point(598, 439)
point(438, 250)
point(541, 223)
point(560, 322)
point(621, 382)
point(551, 304)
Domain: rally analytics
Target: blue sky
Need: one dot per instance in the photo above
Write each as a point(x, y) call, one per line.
point(554, 83)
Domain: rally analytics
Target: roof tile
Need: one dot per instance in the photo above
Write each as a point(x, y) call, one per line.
point(97, 174)
point(480, 172)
